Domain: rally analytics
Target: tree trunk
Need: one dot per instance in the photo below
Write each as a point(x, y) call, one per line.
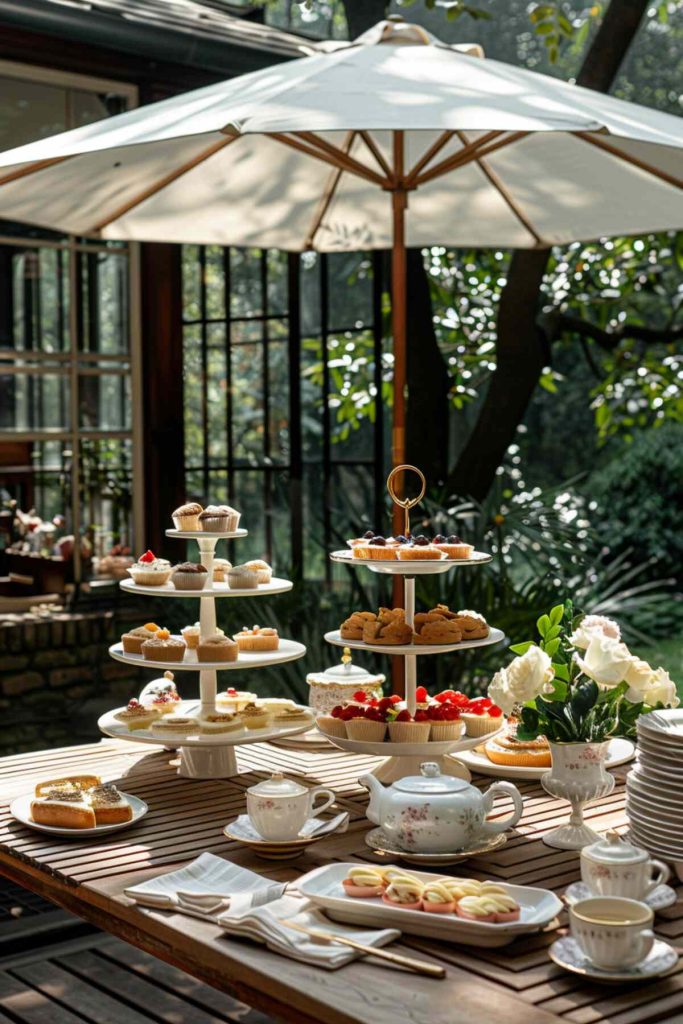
point(519, 349)
point(429, 381)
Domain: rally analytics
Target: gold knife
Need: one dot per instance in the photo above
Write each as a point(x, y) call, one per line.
point(419, 966)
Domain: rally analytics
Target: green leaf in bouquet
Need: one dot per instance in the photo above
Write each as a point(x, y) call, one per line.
point(552, 633)
point(556, 614)
point(543, 624)
point(551, 647)
point(522, 648)
point(561, 671)
point(584, 697)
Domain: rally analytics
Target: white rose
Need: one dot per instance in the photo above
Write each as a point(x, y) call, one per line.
point(662, 689)
point(639, 676)
point(606, 661)
point(592, 625)
point(500, 693)
point(526, 678)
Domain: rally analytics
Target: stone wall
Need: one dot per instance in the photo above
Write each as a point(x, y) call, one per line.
point(56, 677)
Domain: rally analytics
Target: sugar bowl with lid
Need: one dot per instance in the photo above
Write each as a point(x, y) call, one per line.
point(615, 867)
point(279, 808)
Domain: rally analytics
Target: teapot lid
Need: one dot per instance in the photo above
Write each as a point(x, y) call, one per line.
point(431, 781)
point(277, 785)
point(614, 849)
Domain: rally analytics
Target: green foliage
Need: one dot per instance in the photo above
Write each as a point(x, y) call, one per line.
point(552, 25)
point(639, 497)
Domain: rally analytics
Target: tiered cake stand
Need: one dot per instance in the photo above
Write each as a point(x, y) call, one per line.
point(202, 756)
point(405, 758)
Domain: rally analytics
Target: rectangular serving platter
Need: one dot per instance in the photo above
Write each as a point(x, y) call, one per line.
point(323, 886)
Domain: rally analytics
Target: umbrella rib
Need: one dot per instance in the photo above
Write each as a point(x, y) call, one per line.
point(372, 146)
point(168, 179)
point(328, 195)
point(594, 140)
point(505, 195)
point(430, 153)
point(33, 168)
point(341, 159)
point(462, 158)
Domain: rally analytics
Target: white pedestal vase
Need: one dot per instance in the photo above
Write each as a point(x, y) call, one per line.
point(577, 775)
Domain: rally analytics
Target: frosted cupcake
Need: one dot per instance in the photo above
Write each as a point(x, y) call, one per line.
point(241, 578)
point(150, 571)
point(370, 726)
point(133, 640)
point(187, 516)
point(261, 568)
point(190, 635)
point(163, 647)
point(406, 729)
point(221, 568)
point(214, 519)
point(189, 576)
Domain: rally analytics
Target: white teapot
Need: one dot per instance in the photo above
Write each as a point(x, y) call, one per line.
point(435, 813)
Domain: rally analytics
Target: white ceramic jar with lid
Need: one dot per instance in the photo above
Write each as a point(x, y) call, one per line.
point(279, 808)
point(338, 684)
point(615, 867)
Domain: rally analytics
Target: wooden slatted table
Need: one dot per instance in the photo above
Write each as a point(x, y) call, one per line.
point(186, 817)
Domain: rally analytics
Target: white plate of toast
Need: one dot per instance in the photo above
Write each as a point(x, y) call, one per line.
point(78, 806)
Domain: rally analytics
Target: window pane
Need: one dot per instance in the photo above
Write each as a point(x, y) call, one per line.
point(278, 409)
point(217, 392)
point(246, 292)
point(30, 110)
point(247, 403)
point(214, 282)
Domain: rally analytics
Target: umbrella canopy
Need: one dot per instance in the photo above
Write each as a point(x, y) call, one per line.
point(302, 155)
point(395, 139)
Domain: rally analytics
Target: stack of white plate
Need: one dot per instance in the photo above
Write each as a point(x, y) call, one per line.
point(654, 787)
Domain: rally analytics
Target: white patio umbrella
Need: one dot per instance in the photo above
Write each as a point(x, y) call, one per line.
point(395, 139)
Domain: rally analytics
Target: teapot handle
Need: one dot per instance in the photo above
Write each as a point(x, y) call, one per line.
point(506, 788)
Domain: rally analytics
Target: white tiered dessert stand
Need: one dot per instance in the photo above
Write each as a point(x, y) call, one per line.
point(405, 758)
point(207, 756)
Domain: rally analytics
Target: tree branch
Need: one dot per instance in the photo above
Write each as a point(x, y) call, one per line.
point(555, 322)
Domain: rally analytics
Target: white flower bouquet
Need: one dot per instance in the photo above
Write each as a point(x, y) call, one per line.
point(579, 683)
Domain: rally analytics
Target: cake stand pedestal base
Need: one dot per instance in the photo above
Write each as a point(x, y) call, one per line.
point(208, 762)
point(395, 768)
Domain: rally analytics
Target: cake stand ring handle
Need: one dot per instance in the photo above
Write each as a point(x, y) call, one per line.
point(406, 503)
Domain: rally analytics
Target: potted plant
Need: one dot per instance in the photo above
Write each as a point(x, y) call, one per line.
point(578, 686)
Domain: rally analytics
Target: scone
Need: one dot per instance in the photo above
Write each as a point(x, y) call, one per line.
point(432, 628)
point(473, 626)
point(389, 628)
point(352, 628)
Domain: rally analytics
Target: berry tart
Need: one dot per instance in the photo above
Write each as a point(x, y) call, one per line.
point(150, 571)
point(406, 728)
point(453, 546)
point(377, 548)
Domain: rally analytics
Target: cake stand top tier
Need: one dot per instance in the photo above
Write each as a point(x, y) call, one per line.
point(275, 586)
point(409, 567)
point(207, 534)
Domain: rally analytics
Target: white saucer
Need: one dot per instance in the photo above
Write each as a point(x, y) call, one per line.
point(21, 810)
point(242, 831)
point(659, 899)
point(379, 841)
point(567, 953)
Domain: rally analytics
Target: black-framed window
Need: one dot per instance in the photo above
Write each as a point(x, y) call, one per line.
point(285, 379)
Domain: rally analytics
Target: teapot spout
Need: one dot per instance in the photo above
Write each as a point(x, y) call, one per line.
point(376, 790)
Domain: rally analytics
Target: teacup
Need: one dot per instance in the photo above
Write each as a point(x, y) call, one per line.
point(279, 808)
point(612, 931)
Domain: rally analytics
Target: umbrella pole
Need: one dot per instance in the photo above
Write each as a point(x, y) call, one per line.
point(399, 202)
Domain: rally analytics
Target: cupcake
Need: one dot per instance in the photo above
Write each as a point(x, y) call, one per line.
point(241, 578)
point(261, 568)
point(150, 571)
point(257, 639)
point(254, 717)
point(214, 519)
point(371, 727)
point(445, 722)
point(190, 635)
point(403, 891)
point(481, 716)
point(419, 548)
point(437, 898)
point(219, 723)
point(217, 647)
point(233, 517)
point(163, 647)
point(133, 640)
point(174, 725)
point(187, 516)
point(135, 716)
point(453, 547)
point(377, 548)
point(406, 729)
point(234, 700)
point(363, 882)
point(189, 576)
point(331, 725)
point(221, 567)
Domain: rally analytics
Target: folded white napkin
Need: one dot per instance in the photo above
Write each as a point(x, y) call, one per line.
point(205, 888)
point(263, 923)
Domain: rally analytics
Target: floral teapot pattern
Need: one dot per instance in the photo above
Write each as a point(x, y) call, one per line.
point(434, 813)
